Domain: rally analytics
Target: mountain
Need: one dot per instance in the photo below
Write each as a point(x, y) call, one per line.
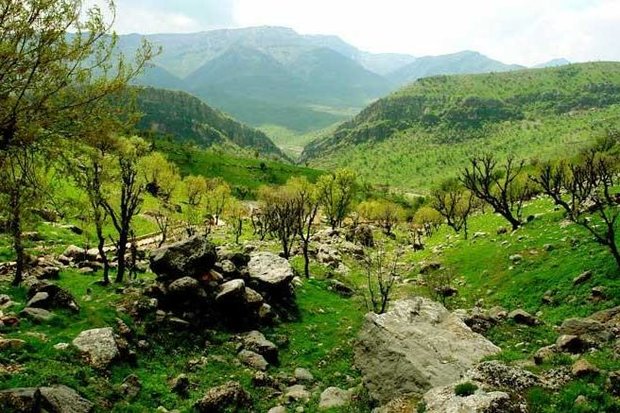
point(466, 62)
point(187, 118)
point(553, 63)
point(425, 131)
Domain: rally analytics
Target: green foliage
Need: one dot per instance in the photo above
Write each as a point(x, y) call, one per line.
point(465, 389)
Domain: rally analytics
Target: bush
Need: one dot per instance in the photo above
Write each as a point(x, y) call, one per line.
point(465, 389)
point(421, 407)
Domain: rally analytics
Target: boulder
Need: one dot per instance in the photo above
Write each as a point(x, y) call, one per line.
point(98, 345)
point(416, 346)
point(40, 300)
point(341, 288)
point(38, 315)
point(192, 257)
point(253, 299)
point(277, 409)
point(74, 253)
point(520, 316)
point(11, 344)
point(335, 398)
point(253, 360)
point(255, 341)
point(587, 329)
point(361, 234)
point(180, 385)
point(56, 297)
point(443, 400)
point(223, 398)
point(545, 354)
point(55, 399)
point(583, 368)
point(270, 272)
point(186, 288)
point(567, 343)
point(303, 375)
point(297, 393)
point(231, 292)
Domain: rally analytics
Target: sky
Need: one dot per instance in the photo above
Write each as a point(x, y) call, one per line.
point(513, 31)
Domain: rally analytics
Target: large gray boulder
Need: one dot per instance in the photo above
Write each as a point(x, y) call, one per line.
point(414, 347)
point(270, 272)
point(193, 257)
point(98, 346)
point(55, 399)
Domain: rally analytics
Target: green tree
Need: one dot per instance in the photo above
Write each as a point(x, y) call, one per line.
point(455, 204)
point(306, 207)
point(335, 193)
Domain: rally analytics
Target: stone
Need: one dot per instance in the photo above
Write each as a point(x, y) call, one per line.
point(40, 300)
point(270, 271)
point(520, 316)
point(20, 400)
point(570, 344)
point(498, 375)
point(581, 400)
point(334, 398)
point(61, 346)
point(613, 382)
point(253, 360)
point(192, 257)
point(56, 297)
point(98, 345)
point(186, 288)
point(228, 267)
point(231, 292)
point(11, 344)
point(588, 329)
point(545, 354)
point(63, 399)
point(428, 267)
point(297, 393)
point(180, 385)
point(583, 368)
point(582, 278)
point(266, 313)
point(255, 341)
point(252, 298)
point(516, 258)
point(131, 386)
point(223, 398)
point(303, 375)
point(341, 288)
point(443, 400)
point(38, 315)
point(414, 347)
point(277, 409)
point(74, 253)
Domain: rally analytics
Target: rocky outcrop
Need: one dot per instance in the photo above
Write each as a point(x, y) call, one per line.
point(416, 346)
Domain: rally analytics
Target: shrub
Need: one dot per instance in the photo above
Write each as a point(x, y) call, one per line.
point(465, 389)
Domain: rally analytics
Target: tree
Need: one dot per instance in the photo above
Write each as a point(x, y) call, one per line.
point(505, 188)
point(306, 209)
point(584, 189)
point(123, 204)
point(279, 209)
point(162, 178)
point(236, 214)
point(387, 214)
point(51, 82)
point(335, 194)
point(428, 219)
point(218, 197)
point(382, 271)
point(455, 204)
point(194, 189)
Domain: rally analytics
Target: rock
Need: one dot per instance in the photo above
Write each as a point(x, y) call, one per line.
point(231, 292)
point(591, 331)
point(61, 346)
point(598, 293)
point(11, 344)
point(131, 386)
point(341, 288)
point(63, 399)
point(186, 288)
point(178, 324)
point(40, 300)
point(239, 259)
point(20, 400)
point(443, 400)
point(266, 313)
point(297, 393)
point(520, 316)
point(516, 258)
point(223, 398)
point(252, 298)
point(47, 273)
point(478, 321)
point(74, 253)
point(545, 354)
point(583, 368)
point(255, 341)
point(98, 345)
point(180, 385)
point(56, 297)
point(328, 256)
point(192, 257)
point(497, 313)
point(582, 278)
point(500, 376)
point(277, 409)
point(414, 347)
point(581, 400)
point(228, 267)
point(361, 234)
point(262, 379)
point(428, 267)
point(570, 344)
point(613, 383)
point(5, 301)
point(271, 272)
point(253, 360)
point(38, 315)
point(333, 398)
point(303, 375)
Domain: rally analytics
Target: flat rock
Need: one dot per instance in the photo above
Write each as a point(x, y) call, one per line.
point(98, 345)
point(414, 347)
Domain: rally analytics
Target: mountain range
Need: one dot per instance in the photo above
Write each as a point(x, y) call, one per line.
point(267, 76)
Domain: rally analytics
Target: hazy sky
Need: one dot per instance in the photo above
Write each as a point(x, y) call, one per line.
point(514, 31)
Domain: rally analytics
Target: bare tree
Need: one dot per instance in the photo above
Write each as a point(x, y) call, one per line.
point(501, 187)
point(306, 210)
point(584, 189)
point(382, 271)
point(455, 205)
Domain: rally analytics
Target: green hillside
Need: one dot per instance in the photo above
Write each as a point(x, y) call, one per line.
point(424, 132)
point(187, 118)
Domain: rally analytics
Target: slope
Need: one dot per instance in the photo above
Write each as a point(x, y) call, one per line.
point(426, 131)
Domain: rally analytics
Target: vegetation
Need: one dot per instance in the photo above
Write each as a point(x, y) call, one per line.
point(465, 389)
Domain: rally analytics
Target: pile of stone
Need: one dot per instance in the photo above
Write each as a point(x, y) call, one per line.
point(197, 284)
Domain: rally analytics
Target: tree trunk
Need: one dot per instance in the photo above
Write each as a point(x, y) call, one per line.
point(104, 258)
point(305, 248)
point(120, 255)
point(18, 246)
point(614, 251)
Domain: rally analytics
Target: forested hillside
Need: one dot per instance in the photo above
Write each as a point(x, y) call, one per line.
point(187, 118)
point(425, 131)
